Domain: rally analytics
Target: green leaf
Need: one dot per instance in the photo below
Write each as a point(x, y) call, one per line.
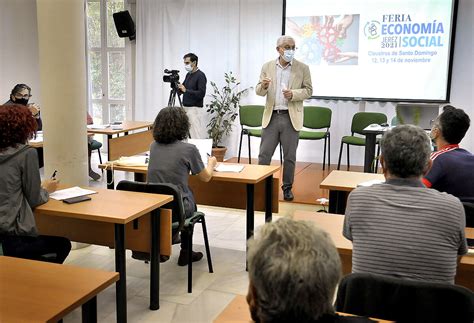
point(223, 108)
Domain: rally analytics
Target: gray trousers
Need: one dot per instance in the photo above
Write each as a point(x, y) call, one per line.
point(280, 130)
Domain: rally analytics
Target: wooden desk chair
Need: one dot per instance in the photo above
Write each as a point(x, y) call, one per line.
point(251, 123)
point(403, 300)
point(360, 121)
point(179, 222)
point(318, 118)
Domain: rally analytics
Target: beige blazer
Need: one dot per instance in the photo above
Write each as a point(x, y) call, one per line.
point(300, 85)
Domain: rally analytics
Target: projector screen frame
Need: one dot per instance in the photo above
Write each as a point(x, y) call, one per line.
point(375, 99)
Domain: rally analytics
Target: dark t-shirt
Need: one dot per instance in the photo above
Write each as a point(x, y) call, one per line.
point(172, 163)
point(452, 172)
point(195, 84)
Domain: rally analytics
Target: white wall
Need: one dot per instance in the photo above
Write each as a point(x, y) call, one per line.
point(19, 64)
point(19, 50)
point(462, 83)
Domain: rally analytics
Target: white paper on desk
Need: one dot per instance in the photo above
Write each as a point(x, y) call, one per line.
point(97, 126)
point(70, 192)
point(377, 128)
point(137, 160)
point(204, 146)
point(371, 182)
point(229, 168)
point(39, 138)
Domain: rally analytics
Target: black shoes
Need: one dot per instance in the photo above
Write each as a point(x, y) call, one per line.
point(145, 256)
point(94, 175)
point(182, 260)
point(183, 257)
point(287, 194)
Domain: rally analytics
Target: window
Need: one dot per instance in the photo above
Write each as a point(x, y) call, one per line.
point(107, 63)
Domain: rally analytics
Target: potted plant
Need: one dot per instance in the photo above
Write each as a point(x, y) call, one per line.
point(223, 109)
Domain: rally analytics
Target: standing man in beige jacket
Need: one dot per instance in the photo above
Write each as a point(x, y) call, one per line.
point(286, 82)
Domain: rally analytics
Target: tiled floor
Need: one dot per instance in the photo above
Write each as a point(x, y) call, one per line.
point(211, 292)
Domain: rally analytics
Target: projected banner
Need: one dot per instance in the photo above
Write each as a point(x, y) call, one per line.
point(384, 49)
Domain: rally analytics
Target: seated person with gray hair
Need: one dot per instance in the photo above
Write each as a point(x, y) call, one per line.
point(294, 269)
point(402, 228)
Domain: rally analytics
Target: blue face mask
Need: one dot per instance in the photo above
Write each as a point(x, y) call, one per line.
point(188, 67)
point(288, 55)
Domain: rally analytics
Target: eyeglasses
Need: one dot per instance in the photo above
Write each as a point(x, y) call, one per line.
point(24, 96)
point(288, 47)
point(434, 123)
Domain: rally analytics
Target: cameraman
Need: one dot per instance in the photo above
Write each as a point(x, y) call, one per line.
point(194, 90)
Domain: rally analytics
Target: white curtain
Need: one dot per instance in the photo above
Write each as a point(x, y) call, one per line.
point(226, 35)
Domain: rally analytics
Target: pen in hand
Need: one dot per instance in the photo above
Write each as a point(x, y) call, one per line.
point(50, 185)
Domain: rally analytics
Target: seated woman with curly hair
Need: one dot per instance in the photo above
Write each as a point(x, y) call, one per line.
point(21, 191)
point(172, 160)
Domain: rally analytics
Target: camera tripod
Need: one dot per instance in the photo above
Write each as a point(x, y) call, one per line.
point(173, 95)
point(172, 98)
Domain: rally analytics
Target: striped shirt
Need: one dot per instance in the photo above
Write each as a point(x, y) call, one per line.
point(402, 229)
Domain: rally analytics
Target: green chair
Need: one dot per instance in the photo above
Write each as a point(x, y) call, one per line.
point(318, 118)
point(360, 121)
point(180, 223)
point(96, 145)
point(251, 123)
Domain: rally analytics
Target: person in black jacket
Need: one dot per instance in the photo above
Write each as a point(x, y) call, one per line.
point(21, 95)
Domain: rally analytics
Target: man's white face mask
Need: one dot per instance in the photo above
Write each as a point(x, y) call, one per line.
point(188, 67)
point(288, 55)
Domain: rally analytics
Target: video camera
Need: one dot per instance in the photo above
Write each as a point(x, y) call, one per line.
point(172, 78)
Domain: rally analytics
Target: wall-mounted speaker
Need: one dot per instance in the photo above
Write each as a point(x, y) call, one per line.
point(124, 24)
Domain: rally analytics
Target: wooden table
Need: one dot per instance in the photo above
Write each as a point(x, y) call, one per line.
point(341, 183)
point(125, 144)
point(238, 312)
point(227, 189)
point(333, 223)
point(34, 291)
point(92, 221)
point(39, 143)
